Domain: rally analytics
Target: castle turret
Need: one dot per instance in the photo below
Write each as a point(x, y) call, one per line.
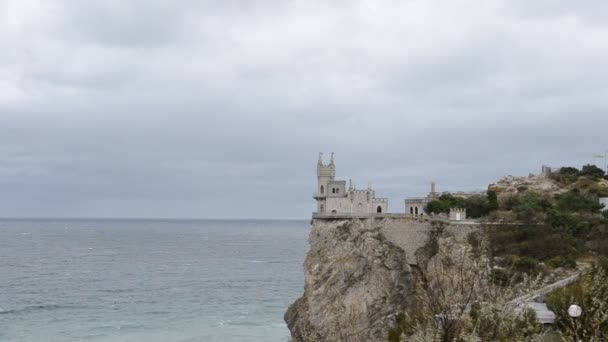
point(433, 194)
point(325, 174)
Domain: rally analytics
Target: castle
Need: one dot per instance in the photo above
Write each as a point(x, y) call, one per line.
point(334, 198)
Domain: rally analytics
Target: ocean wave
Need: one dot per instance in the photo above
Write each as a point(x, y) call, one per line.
point(116, 290)
point(269, 261)
point(34, 308)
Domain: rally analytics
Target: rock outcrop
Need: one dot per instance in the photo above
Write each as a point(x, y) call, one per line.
point(356, 280)
point(535, 183)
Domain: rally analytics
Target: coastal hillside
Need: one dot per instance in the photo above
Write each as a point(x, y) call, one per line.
point(367, 277)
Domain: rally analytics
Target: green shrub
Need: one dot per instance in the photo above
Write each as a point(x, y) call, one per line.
point(437, 207)
point(500, 277)
point(531, 207)
point(561, 261)
point(577, 201)
point(592, 171)
point(477, 206)
point(492, 200)
point(527, 265)
point(568, 170)
point(566, 175)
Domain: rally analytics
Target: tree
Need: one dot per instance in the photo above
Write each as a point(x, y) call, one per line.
point(591, 294)
point(566, 175)
point(568, 170)
point(577, 201)
point(437, 207)
point(531, 206)
point(477, 206)
point(492, 200)
point(444, 203)
point(592, 171)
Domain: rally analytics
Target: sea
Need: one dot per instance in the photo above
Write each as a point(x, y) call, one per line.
point(149, 280)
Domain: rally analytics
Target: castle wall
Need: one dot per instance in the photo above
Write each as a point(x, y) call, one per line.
point(357, 202)
point(415, 206)
point(336, 188)
point(411, 234)
point(361, 201)
point(458, 214)
point(380, 202)
point(339, 204)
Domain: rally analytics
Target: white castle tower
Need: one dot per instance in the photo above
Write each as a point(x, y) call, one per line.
point(333, 197)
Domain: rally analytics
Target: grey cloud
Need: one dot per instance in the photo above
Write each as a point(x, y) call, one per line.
point(193, 109)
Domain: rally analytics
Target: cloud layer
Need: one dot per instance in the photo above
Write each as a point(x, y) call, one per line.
point(218, 109)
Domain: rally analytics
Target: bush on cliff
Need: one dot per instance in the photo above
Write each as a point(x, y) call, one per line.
point(566, 175)
point(531, 207)
point(592, 171)
point(477, 206)
point(444, 203)
point(492, 200)
point(577, 201)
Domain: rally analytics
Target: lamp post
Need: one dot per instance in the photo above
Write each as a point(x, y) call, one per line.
point(575, 312)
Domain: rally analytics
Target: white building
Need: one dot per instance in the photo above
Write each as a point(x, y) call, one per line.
point(334, 198)
point(416, 206)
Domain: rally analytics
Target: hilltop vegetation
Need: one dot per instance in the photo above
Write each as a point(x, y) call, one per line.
point(533, 229)
point(540, 221)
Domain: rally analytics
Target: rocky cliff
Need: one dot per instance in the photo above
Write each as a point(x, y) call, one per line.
point(355, 281)
point(359, 274)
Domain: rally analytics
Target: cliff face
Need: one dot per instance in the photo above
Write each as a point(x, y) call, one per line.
point(356, 280)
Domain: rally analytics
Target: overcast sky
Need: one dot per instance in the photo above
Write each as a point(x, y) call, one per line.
point(218, 109)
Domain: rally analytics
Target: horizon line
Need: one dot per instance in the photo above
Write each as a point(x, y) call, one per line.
point(41, 218)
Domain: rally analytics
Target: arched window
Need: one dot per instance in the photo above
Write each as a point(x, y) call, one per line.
point(379, 209)
point(416, 211)
point(337, 190)
point(333, 190)
point(322, 189)
point(412, 210)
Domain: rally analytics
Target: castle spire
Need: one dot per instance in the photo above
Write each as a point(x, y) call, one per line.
point(332, 159)
point(320, 158)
